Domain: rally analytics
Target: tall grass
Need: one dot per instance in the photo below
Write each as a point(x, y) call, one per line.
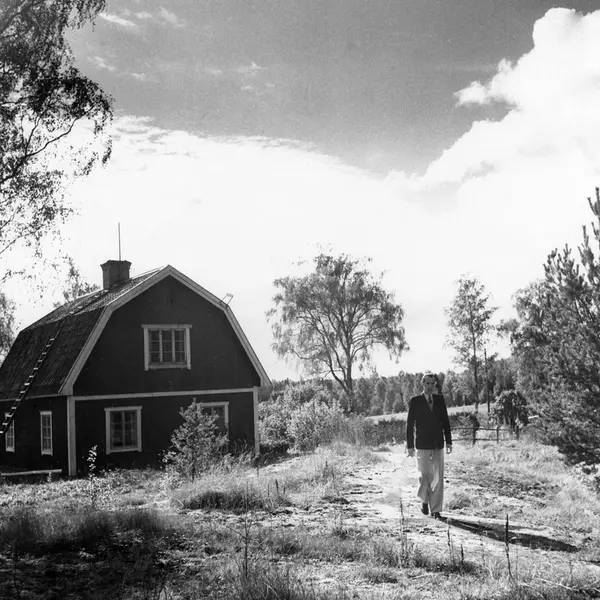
point(38, 531)
point(558, 497)
point(303, 481)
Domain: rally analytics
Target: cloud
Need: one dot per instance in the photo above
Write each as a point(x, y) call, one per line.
point(519, 183)
point(140, 76)
point(552, 92)
point(141, 15)
point(120, 21)
point(249, 70)
point(102, 63)
point(474, 94)
point(236, 213)
point(162, 17)
point(171, 18)
point(477, 93)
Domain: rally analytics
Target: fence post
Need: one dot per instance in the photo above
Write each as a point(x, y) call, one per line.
point(474, 434)
point(517, 431)
point(497, 434)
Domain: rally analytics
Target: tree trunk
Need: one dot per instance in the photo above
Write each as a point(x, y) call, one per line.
point(487, 385)
point(476, 376)
point(350, 387)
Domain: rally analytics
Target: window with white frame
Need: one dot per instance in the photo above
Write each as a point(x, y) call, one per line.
point(220, 410)
point(46, 431)
point(167, 347)
point(123, 429)
point(9, 436)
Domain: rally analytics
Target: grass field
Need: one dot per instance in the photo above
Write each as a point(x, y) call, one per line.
point(303, 529)
point(452, 410)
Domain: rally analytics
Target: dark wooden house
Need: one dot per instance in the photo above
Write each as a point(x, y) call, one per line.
point(114, 368)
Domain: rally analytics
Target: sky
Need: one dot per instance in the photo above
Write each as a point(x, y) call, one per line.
point(438, 138)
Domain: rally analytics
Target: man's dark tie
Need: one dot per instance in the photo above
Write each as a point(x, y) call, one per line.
point(430, 400)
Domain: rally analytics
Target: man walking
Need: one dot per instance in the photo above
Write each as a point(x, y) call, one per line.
point(427, 426)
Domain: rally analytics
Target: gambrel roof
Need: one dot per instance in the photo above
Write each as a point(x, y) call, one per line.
point(79, 324)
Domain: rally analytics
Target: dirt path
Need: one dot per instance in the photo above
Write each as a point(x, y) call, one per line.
point(375, 494)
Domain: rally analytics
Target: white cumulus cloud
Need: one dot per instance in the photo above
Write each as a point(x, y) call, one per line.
point(518, 185)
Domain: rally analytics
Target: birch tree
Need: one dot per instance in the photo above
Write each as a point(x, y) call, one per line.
point(43, 99)
point(469, 322)
point(331, 320)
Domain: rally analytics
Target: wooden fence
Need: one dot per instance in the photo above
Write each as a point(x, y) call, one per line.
point(476, 434)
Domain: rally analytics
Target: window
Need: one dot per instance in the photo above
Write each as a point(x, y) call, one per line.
point(9, 436)
point(221, 411)
point(167, 347)
point(123, 429)
point(46, 431)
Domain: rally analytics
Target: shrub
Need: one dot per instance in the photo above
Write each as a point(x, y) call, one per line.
point(511, 409)
point(196, 445)
point(274, 419)
point(315, 423)
point(384, 431)
point(399, 404)
point(275, 415)
point(376, 410)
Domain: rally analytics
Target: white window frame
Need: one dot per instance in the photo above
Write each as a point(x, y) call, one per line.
point(149, 366)
point(225, 405)
point(107, 413)
point(10, 434)
point(45, 451)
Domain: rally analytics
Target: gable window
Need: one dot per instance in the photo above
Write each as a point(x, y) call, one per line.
point(46, 431)
point(123, 429)
point(9, 436)
point(167, 347)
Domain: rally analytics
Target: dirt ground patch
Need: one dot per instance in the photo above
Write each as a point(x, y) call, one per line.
point(375, 497)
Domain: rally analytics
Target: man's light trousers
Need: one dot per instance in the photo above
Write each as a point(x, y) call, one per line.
point(431, 480)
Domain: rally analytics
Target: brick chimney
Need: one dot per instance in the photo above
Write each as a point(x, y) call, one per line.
point(114, 272)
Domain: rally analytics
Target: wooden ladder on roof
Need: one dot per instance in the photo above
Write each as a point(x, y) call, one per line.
point(23, 392)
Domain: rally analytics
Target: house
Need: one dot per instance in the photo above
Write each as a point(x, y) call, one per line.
point(114, 368)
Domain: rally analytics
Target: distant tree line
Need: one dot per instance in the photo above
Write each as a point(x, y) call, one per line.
point(381, 395)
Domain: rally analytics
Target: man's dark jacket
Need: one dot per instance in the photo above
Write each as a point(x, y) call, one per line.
point(426, 428)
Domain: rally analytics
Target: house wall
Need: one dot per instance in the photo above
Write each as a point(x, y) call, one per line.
point(160, 417)
point(27, 455)
point(116, 364)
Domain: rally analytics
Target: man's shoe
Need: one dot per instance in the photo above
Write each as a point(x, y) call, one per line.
point(425, 508)
point(435, 515)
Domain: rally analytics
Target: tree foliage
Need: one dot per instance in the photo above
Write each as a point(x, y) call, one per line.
point(331, 319)
point(556, 342)
point(510, 409)
point(7, 324)
point(43, 97)
point(469, 322)
point(196, 444)
point(76, 285)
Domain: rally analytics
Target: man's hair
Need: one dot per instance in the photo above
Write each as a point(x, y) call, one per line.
point(429, 375)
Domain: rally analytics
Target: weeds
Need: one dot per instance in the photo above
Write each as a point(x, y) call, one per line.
point(91, 463)
point(37, 532)
point(265, 582)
